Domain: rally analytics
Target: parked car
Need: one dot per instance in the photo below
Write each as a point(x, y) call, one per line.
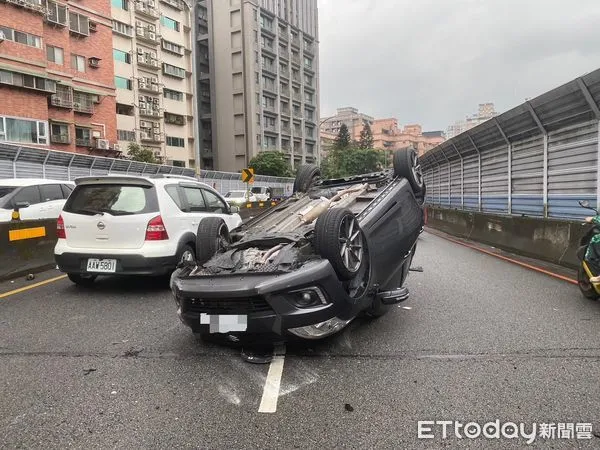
point(34, 198)
point(239, 197)
point(310, 265)
point(134, 225)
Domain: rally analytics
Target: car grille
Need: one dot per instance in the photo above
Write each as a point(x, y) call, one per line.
point(242, 305)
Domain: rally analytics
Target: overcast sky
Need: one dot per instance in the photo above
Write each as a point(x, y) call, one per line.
point(433, 61)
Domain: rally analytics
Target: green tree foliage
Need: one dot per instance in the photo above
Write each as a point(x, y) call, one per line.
point(366, 137)
point(140, 153)
point(352, 160)
point(343, 139)
point(271, 163)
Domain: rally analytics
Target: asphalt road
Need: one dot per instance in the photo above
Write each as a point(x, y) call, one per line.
point(480, 339)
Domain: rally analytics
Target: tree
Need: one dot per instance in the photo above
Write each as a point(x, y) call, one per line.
point(366, 137)
point(271, 163)
point(343, 139)
point(352, 161)
point(140, 153)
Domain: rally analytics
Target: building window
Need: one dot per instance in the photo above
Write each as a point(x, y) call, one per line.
point(23, 130)
point(78, 63)
point(55, 54)
point(123, 83)
point(266, 22)
point(308, 114)
point(308, 80)
point(124, 110)
point(169, 23)
point(268, 102)
point(174, 119)
point(175, 141)
point(56, 13)
point(79, 23)
point(27, 81)
point(307, 62)
point(21, 38)
point(59, 133)
point(121, 4)
point(122, 28)
point(122, 56)
point(83, 137)
point(125, 135)
point(173, 95)
point(172, 47)
point(173, 71)
point(308, 97)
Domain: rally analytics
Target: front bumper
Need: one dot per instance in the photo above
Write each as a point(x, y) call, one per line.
point(126, 264)
point(265, 300)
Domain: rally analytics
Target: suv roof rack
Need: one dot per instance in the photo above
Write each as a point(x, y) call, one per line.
point(168, 175)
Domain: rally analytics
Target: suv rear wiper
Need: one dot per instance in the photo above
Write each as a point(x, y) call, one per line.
point(89, 212)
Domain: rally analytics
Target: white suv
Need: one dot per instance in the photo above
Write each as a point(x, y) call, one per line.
point(134, 225)
point(34, 198)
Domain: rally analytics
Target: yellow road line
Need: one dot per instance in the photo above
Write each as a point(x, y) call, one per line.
point(31, 286)
point(26, 233)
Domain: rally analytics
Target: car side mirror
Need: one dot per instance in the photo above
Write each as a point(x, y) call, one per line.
point(19, 205)
point(234, 209)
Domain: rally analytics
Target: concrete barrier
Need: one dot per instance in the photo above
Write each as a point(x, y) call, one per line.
point(26, 247)
point(252, 209)
point(551, 240)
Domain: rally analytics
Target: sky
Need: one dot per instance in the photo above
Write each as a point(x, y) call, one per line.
point(433, 61)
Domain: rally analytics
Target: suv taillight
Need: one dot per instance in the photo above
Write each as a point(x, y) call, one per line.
point(60, 228)
point(156, 231)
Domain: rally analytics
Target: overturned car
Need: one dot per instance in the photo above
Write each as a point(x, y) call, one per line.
point(335, 249)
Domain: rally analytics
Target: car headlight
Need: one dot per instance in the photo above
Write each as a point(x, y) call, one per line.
point(307, 297)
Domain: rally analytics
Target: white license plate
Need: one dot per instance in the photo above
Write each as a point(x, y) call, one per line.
point(224, 323)
point(102, 265)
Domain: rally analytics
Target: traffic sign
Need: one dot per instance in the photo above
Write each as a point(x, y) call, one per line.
point(248, 175)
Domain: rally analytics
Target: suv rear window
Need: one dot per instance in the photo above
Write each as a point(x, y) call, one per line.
point(114, 199)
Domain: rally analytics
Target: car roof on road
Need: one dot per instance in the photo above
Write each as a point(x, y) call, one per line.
point(30, 181)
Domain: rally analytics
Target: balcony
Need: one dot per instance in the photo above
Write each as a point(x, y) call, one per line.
point(269, 68)
point(83, 142)
point(60, 139)
point(268, 49)
point(33, 5)
point(177, 4)
point(151, 137)
point(145, 10)
point(270, 128)
point(269, 108)
point(148, 62)
point(83, 107)
point(148, 112)
point(144, 34)
point(148, 87)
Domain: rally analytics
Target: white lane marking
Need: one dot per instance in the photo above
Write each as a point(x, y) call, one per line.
point(268, 403)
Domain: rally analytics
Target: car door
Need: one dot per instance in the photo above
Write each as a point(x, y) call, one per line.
point(53, 200)
point(30, 195)
point(194, 206)
point(217, 207)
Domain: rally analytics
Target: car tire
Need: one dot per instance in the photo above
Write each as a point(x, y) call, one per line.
point(186, 254)
point(212, 235)
point(82, 280)
point(336, 231)
point(306, 177)
point(586, 288)
point(406, 165)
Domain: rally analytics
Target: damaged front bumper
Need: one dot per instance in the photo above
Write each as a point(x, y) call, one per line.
point(309, 302)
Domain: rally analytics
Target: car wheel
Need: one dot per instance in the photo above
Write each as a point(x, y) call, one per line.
point(306, 177)
point(212, 236)
point(587, 289)
point(82, 280)
point(407, 165)
point(339, 239)
point(186, 255)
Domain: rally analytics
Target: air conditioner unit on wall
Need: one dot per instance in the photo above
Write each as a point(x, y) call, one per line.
point(116, 147)
point(103, 144)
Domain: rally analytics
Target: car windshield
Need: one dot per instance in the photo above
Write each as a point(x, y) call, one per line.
point(235, 194)
point(117, 200)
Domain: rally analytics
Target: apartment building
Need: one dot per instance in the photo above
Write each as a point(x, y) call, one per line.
point(56, 75)
point(387, 135)
point(485, 112)
point(349, 116)
point(153, 60)
point(258, 81)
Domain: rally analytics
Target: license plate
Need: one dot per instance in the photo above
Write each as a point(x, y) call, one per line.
point(102, 265)
point(224, 323)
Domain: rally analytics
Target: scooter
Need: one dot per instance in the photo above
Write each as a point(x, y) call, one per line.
point(588, 268)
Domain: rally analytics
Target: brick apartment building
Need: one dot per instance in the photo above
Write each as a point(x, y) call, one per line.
point(57, 75)
point(388, 136)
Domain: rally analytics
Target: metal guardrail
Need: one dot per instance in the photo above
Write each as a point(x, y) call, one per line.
point(18, 161)
point(537, 159)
